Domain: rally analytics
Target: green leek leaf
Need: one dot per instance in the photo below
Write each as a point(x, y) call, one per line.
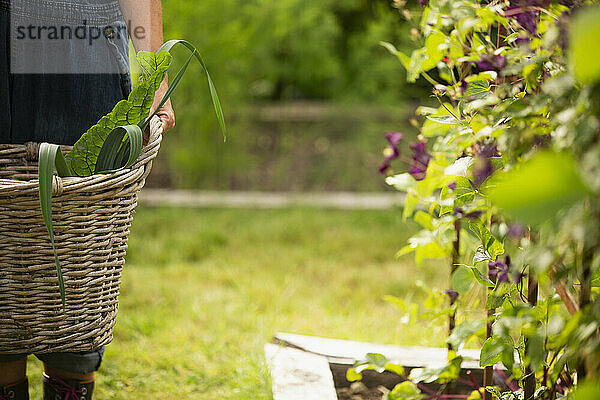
point(50, 156)
point(213, 91)
point(110, 158)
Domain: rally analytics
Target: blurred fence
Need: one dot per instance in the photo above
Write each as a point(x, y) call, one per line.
point(302, 146)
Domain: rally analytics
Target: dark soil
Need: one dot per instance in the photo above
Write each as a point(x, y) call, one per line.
point(373, 384)
point(358, 391)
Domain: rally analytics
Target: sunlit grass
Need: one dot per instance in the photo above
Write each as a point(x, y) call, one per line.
point(203, 290)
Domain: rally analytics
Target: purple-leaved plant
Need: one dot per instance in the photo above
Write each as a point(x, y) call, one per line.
point(392, 151)
point(420, 161)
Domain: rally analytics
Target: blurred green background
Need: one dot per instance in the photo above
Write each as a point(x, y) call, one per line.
point(307, 90)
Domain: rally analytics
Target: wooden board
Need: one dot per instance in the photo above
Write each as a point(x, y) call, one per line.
point(298, 375)
point(270, 200)
point(347, 351)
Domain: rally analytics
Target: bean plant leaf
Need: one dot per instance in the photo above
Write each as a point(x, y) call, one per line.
point(395, 368)
point(445, 119)
point(497, 349)
point(376, 361)
point(424, 245)
point(477, 89)
point(481, 256)
point(535, 350)
point(373, 361)
point(434, 51)
point(497, 297)
point(463, 332)
point(491, 245)
point(133, 111)
point(461, 279)
point(589, 390)
point(405, 391)
point(424, 219)
point(444, 374)
point(352, 375)
point(461, 195)
point(404, 59)
point(481, 278)
point(585, 44)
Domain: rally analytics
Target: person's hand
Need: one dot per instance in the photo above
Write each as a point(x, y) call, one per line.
point(165, 113)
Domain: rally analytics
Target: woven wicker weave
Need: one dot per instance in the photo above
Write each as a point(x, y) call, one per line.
point(91, 217)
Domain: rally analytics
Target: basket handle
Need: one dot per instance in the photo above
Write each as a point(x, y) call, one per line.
point(156, 129)
point(150, 150)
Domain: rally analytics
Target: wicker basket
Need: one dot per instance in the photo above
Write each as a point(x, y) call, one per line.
point(91, 217)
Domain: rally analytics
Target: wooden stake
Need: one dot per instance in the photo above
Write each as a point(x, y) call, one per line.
point(585, 294)
point(488, 372)
point(564, 293)
point(532, 295)
point(455, 260)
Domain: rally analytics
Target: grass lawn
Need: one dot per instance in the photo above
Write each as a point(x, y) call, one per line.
point(203, 290)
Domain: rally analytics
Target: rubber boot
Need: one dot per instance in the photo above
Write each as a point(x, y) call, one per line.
point(67, 389)
point(16, 391)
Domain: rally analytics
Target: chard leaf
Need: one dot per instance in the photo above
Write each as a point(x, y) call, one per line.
point(133, 111)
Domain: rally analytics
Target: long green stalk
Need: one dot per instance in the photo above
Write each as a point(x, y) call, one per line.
point(50, 156)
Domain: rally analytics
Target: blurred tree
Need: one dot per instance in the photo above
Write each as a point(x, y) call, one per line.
point(264, 51)
point(295, 49)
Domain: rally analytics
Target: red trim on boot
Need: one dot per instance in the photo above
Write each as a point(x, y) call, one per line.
point(69, 389)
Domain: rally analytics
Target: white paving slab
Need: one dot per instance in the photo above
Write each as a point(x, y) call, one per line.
point(298, 375)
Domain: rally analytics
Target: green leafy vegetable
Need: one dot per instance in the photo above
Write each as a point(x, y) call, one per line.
point(133, 111)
